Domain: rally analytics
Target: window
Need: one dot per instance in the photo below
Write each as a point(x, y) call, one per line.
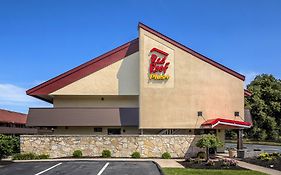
point(114, 131)
point(236, 114)
point(97, 129)
point(199, 113)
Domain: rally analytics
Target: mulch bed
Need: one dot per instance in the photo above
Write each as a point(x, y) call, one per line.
point(276, 163)
point(202, 165)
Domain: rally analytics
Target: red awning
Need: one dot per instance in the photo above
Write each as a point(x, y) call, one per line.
point(225, 123)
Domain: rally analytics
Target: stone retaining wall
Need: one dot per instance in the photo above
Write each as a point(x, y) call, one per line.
point(120, 146)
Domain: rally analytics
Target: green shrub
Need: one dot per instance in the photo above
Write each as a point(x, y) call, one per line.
point(8, 145)
point(77, 153)
point(106, 154)
point(201, 155)
point(25, 156)
point(276, 155)
point(269, 157)
point(30, 156)
point(136, 155)
point(166, 155)
point(42, 156)
point(263, 156)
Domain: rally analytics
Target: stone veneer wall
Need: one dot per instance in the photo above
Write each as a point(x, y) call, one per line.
point(120, 146)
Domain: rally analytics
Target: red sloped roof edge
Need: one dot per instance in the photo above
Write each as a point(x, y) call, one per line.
point(192, 52)
point(214, 121)
point(85, 69)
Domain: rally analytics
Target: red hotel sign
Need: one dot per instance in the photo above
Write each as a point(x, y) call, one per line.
point(158, 65)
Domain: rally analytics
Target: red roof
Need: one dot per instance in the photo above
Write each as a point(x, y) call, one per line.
point(225, 123)
point(12, 117)
point(108, 59)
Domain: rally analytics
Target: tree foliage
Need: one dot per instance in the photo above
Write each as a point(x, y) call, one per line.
point(209, 141)
point(8, 145)
point(265, 107)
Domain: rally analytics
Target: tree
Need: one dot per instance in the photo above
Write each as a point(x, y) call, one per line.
point(6, 147)
point(265, 107)
point(208, 141)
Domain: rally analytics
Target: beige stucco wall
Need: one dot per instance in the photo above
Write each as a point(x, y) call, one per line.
point(196, 86)
point(119, 78)
point(83, 130)
point(96, 101)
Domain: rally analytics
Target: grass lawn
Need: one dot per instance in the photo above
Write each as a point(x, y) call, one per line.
point(185, 171)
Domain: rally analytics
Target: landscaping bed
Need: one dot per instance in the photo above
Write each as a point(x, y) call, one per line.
point(266, 160)
point(218, 164)
point(182, 171)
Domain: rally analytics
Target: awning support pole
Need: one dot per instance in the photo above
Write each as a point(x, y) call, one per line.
point(239, 139)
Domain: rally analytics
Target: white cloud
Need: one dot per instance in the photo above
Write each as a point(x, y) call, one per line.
point(12, 96)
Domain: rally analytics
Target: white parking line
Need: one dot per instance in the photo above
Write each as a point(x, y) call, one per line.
point(48, 169)
point(103, 168)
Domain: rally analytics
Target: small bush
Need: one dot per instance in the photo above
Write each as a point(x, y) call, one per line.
point(77, 153)
point(30, 156)
point(42, 156)
point(106, 154)
point(25, 156)
point(201, 155)
point(269, 157)
point(166, 155)
point(136, 155)
point(276, 155)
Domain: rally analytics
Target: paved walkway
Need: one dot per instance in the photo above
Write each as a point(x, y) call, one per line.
point(169, 163)
point(259, 168)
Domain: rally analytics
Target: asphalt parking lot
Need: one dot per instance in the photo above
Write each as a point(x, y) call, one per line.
point(265, 148)
point(81, 168)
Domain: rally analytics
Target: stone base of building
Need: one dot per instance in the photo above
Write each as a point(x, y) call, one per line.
point(149, 146)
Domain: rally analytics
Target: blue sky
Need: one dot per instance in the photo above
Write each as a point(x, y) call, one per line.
point(41, 39)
